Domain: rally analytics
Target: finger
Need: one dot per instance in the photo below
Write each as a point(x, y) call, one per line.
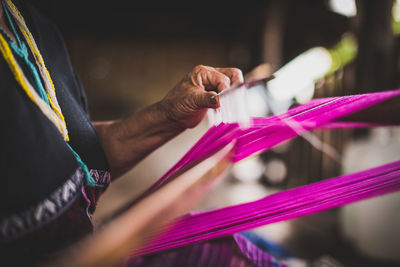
point(234, 74)
point(206, 100)
point(210, 79)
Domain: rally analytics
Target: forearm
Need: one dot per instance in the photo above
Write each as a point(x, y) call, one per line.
point(128, 141)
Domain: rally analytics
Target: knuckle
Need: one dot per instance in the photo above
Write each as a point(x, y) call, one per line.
point(226, 79)
point(199, 68)
point(236, 72)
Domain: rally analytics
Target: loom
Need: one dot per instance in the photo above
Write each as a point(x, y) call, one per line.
point(161, 225)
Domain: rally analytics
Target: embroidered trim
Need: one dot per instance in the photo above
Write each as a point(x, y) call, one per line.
point(49, 208)
point(101, 177)
point(46, 210)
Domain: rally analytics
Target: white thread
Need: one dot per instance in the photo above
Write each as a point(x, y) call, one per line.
point(233, 108)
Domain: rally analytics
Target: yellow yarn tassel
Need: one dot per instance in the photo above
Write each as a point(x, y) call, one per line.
point(21, 79)
point(50, 90)
point(51, 109)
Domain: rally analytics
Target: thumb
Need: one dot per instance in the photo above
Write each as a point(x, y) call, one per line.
point(207, 100)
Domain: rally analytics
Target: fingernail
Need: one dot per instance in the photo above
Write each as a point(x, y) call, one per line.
point(213, 100)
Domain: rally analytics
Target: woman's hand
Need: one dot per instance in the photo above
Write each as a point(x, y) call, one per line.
point(129, 140)
point(188, 101)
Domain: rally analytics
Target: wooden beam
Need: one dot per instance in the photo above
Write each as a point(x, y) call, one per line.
point(149, 217)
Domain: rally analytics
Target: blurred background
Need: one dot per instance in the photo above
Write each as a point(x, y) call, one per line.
point(128, 55)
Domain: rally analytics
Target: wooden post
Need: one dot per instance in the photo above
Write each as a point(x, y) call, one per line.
point(375, 65)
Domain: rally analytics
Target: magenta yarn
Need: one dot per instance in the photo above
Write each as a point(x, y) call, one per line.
point(264, 134)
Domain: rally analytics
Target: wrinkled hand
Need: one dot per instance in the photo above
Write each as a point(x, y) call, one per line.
point(187, 103)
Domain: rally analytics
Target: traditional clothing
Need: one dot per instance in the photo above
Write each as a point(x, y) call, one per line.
point(46, 199)
point(45, 204)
